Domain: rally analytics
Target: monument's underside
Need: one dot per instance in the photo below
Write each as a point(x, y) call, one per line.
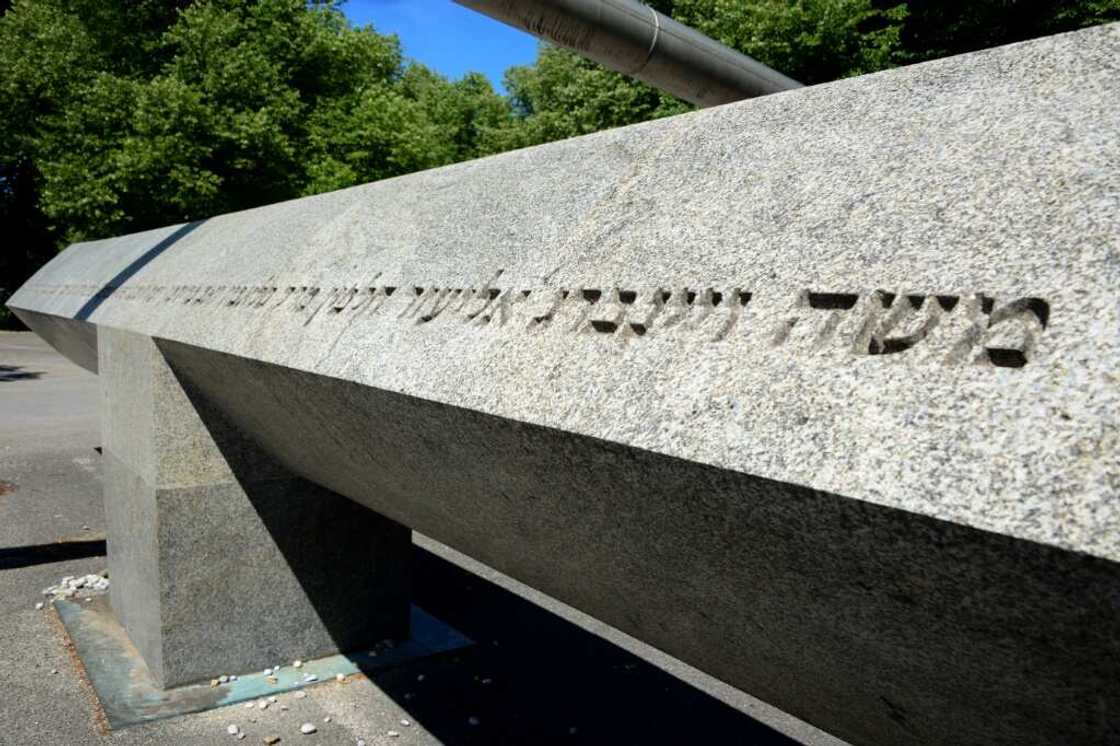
point(818, 392)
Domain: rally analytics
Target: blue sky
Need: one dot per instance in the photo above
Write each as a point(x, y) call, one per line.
point(446, 36)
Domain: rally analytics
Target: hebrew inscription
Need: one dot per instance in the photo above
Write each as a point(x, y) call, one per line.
point(955, 329)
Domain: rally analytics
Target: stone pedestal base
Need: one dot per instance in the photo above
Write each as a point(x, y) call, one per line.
point(220, 560)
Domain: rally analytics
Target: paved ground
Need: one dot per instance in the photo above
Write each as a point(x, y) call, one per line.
point(541, 673)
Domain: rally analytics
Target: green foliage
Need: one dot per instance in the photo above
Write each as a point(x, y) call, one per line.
point(122, 116)
point(938, 29)
point(564, 95)
point(813, 41)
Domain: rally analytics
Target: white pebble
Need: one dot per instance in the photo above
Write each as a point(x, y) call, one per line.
point(268, 672)
point(392, 734)
point(248, 705)
point(340, 677)
point(232, 730)
point(297, 664)
point(473, 720)
point(360, 743)
point(54, 670)
point(301, 694)
point(223, 679)
point(272, 700)
point(420, 677)
point(233, 677)
point(405, 723)
point(307, 729)
point(39, 606)
point(262, 704)
point(241, 736)
point(327, 719)
point(309, 677)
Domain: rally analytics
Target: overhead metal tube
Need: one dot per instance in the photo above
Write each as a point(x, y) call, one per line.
point(636, 40)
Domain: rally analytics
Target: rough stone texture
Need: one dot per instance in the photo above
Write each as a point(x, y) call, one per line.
point(222, 561)
point(817, 391)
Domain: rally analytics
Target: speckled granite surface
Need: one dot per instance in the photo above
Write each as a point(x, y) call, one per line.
point(871, 325)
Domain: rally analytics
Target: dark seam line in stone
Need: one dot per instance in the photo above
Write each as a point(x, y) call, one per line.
point(137, 264)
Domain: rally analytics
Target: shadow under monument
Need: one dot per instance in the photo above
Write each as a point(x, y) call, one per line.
point(532, 677)
point(12, 558)
point(9, 373)
point(871, 620)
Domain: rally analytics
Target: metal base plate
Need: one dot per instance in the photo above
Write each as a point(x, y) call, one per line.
point(129, 696)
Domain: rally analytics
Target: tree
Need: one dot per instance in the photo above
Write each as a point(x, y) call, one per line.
point(119, 117)
point(126, 116)
point(938, 29)
point(813, 41)
point(564, 95)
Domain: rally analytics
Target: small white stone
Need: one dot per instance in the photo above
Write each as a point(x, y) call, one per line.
point(232, 730)
point(406, 723)
point(297, 664)
point(54, 671)
point(309, 677)
point(240, 736)
point(307, 729)
point(262, 704)
point(573, 730)
point(340, 677)
point(360, 743)
point(39, 606)
point(268, 672)
point(392, 734)
point(223, 679)
point(327, 719)
point(420, 677)
point(248, 705)
point(472, 720)
point(233, 677)
point(272, 700)
point(301, 694)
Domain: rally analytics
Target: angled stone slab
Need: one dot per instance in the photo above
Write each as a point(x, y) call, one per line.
point(817, 392)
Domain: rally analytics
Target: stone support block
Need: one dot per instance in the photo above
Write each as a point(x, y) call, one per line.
point(221, 560)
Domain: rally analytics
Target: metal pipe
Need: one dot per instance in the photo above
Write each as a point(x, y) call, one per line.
point(636, 40)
